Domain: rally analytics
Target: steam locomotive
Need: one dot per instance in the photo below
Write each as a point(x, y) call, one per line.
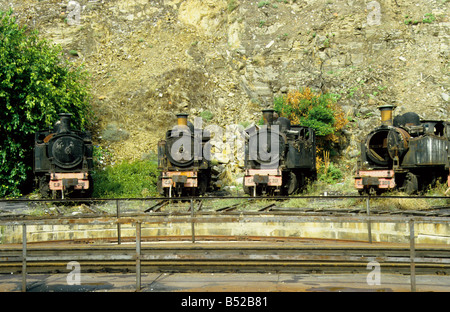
point(403, 153)
point(183, 169)
point(63, 160)
point(279, 157)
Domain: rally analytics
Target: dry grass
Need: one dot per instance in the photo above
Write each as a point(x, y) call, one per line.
point(401, 203)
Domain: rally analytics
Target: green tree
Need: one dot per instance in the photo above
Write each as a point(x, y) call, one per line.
point(320, 112)
point(36, 84)
point(316, 110)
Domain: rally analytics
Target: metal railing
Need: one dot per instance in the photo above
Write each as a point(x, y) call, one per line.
point(195, 217)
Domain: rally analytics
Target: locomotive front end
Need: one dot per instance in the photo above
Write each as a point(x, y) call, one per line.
point(279, 157)
point(63, 159)
point(404, 153)
point(373, 172)
point(182, 170)
point(264, 152)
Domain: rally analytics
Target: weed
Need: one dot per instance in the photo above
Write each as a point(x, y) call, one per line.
point(429, 18)
point(127, 179)
point(206, 115)
point(232, 5)
point(263, 4)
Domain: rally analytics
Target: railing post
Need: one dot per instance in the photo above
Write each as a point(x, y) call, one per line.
point(412, 253)
point(24, 257)
point(138, 256)
point(369, 224)
point(118, 224)
point(192, 221)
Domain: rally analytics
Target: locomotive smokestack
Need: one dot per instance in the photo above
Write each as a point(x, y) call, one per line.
point(386, 114)
point(268, 116)
point(64, 122)
point(182, 119)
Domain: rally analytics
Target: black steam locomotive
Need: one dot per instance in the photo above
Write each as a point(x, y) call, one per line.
point(184, 170)
point(404, 153)
point(279, 157)
point(63, 160)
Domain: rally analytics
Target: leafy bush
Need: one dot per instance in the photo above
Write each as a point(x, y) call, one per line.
point(330, 174)
point(316, 110)
point(35, 85)
point(135, 179)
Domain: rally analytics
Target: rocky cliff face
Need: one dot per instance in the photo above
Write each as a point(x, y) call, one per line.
point(152, 59)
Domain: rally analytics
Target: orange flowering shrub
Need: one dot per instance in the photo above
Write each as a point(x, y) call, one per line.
point(315, 110)
point(320, 112)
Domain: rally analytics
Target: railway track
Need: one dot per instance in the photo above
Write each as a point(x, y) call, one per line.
point(308, 205)
point(208, 254)
point(301, 256)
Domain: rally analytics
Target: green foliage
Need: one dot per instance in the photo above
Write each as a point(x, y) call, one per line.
point(206, 115)
point(135, 179)
point(101, 156)
point(35, 85)
point(329, 173)
point(232, 5)
point(428, 18)
point(316, 110)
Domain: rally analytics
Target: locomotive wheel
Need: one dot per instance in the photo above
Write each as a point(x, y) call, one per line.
point(44, 188)
point(159, 186)
point(247, 189)
point(202, 185)
point(410, 184)
point(291, 184)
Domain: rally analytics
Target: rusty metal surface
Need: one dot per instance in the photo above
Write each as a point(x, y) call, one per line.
point(228, 256)
point(225, 283)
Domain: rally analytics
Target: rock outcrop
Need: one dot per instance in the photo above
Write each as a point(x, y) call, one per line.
point(152, 59)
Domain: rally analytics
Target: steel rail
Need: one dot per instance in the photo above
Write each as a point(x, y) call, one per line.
point(187, 198)
point(192, 216)
point(233, 256)
point(437, 211)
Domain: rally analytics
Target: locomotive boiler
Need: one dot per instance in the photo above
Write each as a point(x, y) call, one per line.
point(63, 160)
point(279, 157)
point(404, 153)
point(183, 168)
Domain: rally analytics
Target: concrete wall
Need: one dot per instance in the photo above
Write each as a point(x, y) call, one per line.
point(381, 232)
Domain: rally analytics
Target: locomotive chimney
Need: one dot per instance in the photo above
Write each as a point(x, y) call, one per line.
point(64, 122)
point(268, 116)
point(182, 119)
point(386, 114)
